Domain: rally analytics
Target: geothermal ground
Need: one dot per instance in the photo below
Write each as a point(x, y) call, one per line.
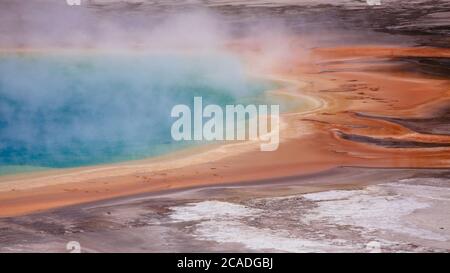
point(342, 210)
point(364, 168)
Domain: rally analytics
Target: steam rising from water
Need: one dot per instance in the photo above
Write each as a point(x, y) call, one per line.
point(83, 107)
point(52, 23)
point(74, 109)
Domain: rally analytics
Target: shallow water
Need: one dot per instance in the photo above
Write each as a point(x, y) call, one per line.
point(67, 110)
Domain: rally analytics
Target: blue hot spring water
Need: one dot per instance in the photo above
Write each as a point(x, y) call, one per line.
point(69, 110)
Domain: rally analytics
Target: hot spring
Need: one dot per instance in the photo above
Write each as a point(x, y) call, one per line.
point(63, 110)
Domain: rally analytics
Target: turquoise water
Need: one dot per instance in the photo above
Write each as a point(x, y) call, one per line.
point(68, 110)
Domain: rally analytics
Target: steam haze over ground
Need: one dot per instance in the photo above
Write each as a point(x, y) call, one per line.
point(207, 24)
point(90, 84)
point(65, 109)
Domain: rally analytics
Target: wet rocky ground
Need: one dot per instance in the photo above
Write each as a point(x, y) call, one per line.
point(423, 21)
point(418, 22)
point(343, 210)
